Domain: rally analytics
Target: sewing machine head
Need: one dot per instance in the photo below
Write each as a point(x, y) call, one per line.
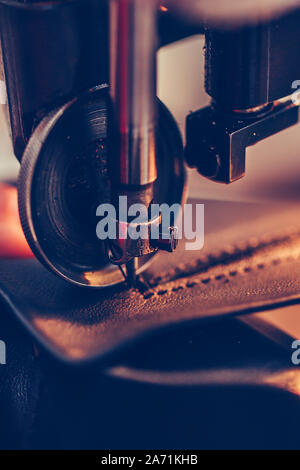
point(90, 133)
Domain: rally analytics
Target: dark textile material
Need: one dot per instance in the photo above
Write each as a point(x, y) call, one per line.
point(100, 369)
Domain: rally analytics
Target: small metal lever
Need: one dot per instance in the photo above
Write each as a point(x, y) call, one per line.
point(217, 140)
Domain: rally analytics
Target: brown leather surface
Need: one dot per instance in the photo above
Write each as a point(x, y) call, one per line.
point(250, 262)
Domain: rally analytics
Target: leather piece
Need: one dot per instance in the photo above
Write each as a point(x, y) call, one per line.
point(241, 269)
point(45, 405)
point(85, 408)
point(19, 384)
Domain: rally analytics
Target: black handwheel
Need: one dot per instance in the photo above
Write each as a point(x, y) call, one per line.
point(64, 177)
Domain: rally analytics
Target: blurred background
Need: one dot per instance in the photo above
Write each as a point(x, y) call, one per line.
point(8, 163)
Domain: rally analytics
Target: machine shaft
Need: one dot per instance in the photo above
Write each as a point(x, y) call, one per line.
point(133, 47)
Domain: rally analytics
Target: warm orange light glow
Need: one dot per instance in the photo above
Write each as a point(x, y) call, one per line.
point(163, 8)
point(12, 241)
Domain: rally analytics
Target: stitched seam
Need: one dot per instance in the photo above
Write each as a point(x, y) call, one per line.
point(224, 276)
point(228, 255)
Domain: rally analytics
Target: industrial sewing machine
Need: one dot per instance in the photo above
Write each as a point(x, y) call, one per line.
point(87, 127)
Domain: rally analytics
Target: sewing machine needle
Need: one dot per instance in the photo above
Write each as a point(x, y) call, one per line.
point(131, 271)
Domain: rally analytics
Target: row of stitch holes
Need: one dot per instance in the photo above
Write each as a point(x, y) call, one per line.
point(219, 277)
